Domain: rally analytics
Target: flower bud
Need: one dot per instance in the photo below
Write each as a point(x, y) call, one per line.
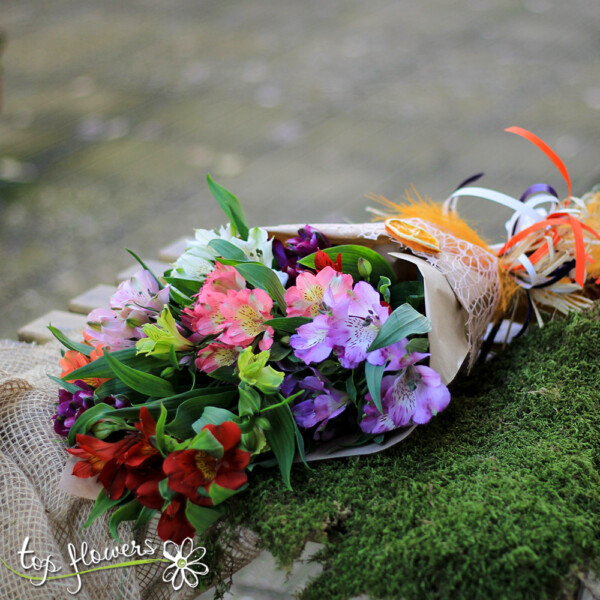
point(103, 428)
point(364, 268)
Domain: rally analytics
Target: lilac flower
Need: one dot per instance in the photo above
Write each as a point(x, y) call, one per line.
point(136, 302)
point(321, 409)
point(140, 294)
point(411, 396)
point(287, 254)
point(355, 324)
point(312, 342)
point(71, 405)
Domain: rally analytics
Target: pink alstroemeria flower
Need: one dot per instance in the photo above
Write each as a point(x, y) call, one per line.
point(245, 312)
point(305, 299)
point(205, 317)
point(216, 355)
point(355, 323)
point(412, 396)
point(105, 327)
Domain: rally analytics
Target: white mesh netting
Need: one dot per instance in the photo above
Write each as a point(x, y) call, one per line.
point(472, 272)
point(31, 461)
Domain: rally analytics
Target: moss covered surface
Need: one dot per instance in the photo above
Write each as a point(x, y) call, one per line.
point(498, 497)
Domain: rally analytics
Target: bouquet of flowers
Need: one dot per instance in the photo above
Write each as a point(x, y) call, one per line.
point(262, 347)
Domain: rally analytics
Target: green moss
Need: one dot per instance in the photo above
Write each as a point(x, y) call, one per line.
point(498, 497)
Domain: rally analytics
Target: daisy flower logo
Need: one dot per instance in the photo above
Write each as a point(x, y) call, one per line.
point(186, 564)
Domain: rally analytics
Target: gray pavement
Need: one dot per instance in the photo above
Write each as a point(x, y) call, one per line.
point(115, 111)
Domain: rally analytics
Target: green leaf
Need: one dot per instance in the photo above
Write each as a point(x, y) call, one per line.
point(404, 321)
point(350, 255)
point(87, 419)
point(231, 206)
point(70, 344)
point(282, 440)
point(206, 441)
point(191, 410)
point(102, 504)
point(228, 250)
point(127, 512)
point(299, 440)
point(374, 375)
point(190, 287)
point(221, 396)
point(113, 387)
point(202, 517)
point(213, 415)
point(219, 494)
point(160, 431)
point(144, 517)
point(289, 324)
point(412, 292)
point(278, 352)
point(145, 267)
point(262, 277)
point(101, 368)
point(70, 387)
point(145, 383)
point(417, 345)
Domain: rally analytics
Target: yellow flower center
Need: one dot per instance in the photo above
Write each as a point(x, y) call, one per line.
point(314, 295)
point(206, 464)
point(250, 320)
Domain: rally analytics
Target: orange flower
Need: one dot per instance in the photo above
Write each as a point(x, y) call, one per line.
point(73, 360)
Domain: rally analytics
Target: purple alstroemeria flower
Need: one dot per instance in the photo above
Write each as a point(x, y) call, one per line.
point(312, 342)
point(321, 409)
point(140, 294)
point(287, 254)
point(72, 404)
point(355, 324)
point(409, 397)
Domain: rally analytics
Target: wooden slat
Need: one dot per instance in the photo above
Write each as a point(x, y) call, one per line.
point(70, 324)
point(173, 251)
point(156, 266)
point(97, 297)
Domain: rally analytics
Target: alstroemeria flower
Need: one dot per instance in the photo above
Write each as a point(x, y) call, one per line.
point(412, 396)
point(245, 312)
point(104, 326)
point(141, 294)
point(191, 469)
point(312, 342)
point(173, 524)
point(205, 317)
point(198, 259)
point(163, 336)
point(322, 261)
point(73, 360)
point(254, 370)
point(112, 462)
point(287, 254)
point(217, 355)
point(305, 299)
point(322, 408)
point(355, 324)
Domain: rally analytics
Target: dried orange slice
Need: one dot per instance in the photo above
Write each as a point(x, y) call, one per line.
point(416, 238)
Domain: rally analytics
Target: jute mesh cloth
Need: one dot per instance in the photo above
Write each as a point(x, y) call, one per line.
point(31, 506)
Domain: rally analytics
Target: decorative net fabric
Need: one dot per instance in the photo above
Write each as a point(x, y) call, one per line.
point(472, 272)
point(31, 462)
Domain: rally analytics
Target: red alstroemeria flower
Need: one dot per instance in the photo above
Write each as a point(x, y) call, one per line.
point(322, 260)
point(173, 524)
point(116, 463)
point(188, 470)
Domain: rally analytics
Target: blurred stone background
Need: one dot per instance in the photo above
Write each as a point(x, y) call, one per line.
point(115, 111)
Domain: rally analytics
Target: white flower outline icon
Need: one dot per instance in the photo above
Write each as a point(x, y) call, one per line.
point(181, 570)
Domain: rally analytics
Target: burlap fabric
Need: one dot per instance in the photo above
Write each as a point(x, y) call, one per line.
point(32, 457)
